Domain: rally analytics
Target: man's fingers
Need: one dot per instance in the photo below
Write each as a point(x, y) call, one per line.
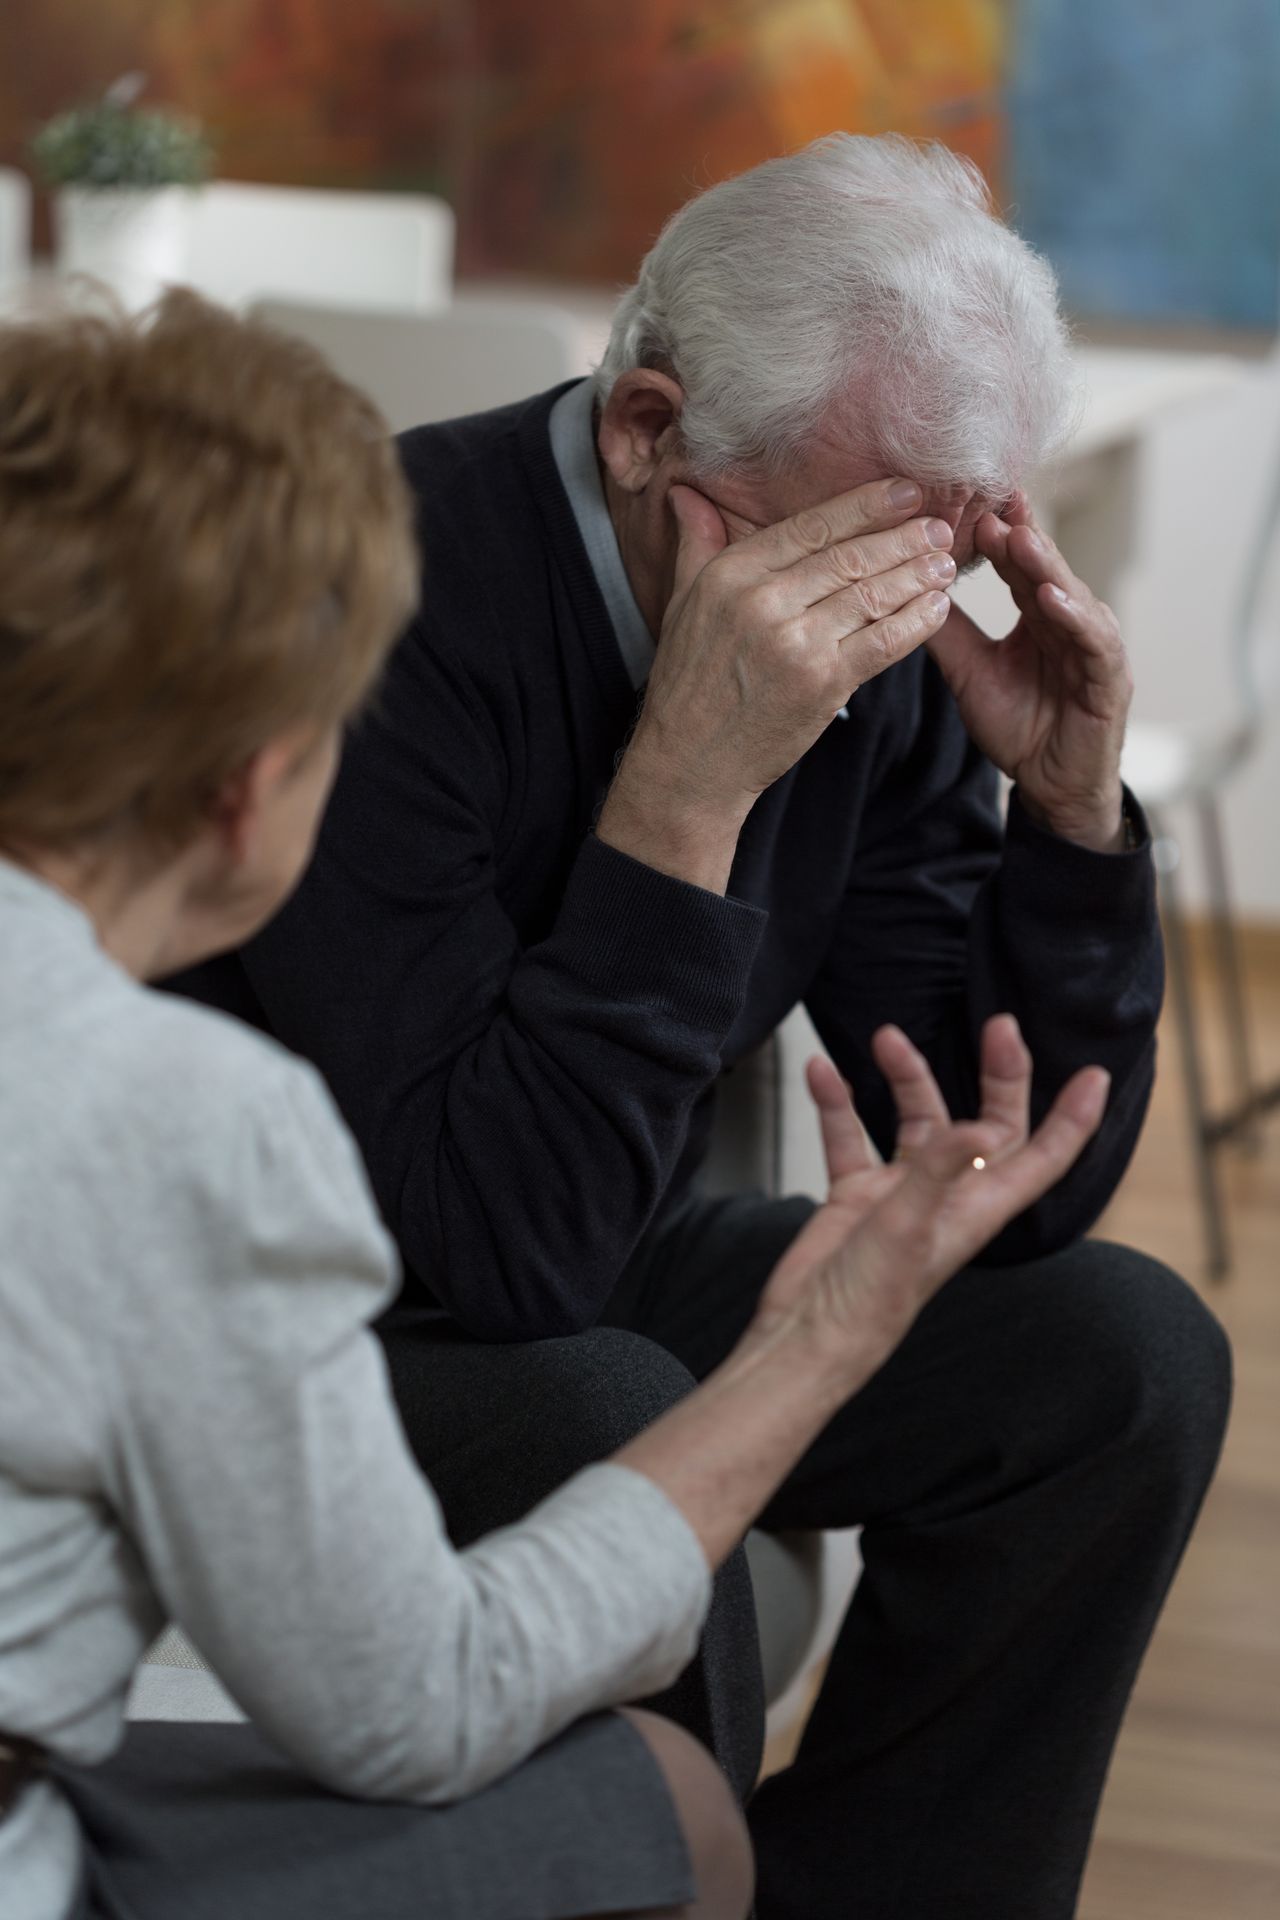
point(882, 644)
point(1005, 1079)
point(869, 509)
point(701, 533)
point(921, 547)
point(831, 621)
point(1044, 587)
point(1089, 623)
point(991, 538)
point(1037, 557)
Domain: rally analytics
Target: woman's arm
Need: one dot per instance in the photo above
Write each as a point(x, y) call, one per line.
point(284, 1523)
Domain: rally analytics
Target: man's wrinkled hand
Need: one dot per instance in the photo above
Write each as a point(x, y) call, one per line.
point(1048, 703)
point(765, 639)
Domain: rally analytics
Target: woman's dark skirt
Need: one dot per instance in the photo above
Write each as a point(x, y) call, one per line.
point(202, 1822)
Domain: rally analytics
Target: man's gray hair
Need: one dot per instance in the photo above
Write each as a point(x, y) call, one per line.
point(868, 275)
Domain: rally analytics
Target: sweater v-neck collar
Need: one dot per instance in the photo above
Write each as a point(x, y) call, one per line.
point(570, 555)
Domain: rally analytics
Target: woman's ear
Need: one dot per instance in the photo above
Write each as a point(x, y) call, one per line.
point(638, 424)
point(237, 807)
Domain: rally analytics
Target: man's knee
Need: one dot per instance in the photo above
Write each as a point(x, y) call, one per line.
point(498, 1428)
point(1145, 1363)
point(602, 1387)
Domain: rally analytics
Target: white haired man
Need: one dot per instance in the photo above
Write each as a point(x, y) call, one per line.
point(601, 833)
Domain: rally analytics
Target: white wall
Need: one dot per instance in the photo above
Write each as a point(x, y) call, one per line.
point(1206, 470)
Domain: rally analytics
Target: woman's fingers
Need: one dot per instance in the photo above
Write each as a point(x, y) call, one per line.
point(959, 1192)
point(916, 1096)
point(1057, 1142)
point(956, 1195)
point(1005, 1079)
point(844, 1138)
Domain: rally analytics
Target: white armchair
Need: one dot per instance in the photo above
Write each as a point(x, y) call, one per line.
point(420, 367)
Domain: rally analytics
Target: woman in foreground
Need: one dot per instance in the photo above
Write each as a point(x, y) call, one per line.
point(205, 554)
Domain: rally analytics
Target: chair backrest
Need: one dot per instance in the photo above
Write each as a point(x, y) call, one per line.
point(383, 250)
point(15, 223)
point(438, 366)
point(1256, 628)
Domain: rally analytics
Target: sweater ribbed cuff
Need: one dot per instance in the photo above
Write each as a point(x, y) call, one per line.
point(1074, 887)
point(639, 935)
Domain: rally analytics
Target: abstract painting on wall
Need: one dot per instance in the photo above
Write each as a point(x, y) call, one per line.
point(1144, 154)
point(1137, 142)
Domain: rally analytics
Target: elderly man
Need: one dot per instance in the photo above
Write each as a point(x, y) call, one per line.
point(603, 829)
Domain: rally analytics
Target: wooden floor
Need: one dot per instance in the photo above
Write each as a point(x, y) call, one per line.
point(1190, 1823)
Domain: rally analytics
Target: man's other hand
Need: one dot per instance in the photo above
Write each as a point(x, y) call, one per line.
point(1048, 703)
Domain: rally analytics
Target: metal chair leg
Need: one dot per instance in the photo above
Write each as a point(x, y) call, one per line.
point(1183, 990)
point(1230, 972)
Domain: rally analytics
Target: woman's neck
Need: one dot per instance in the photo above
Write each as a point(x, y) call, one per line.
point(136, 907)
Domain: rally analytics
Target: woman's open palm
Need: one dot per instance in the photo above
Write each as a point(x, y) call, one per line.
point(890, 1234)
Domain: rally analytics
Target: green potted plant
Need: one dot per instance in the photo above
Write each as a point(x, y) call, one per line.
point(122, 178)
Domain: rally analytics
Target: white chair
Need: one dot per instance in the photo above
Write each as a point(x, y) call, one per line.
point(384, 250)
point(1169, 767)
point(439, 366)
point(15, 224)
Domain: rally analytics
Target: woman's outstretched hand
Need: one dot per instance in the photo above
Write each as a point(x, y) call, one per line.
point(891, 1233)
point(843, 1296)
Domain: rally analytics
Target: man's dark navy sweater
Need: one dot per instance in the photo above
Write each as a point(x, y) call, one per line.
point(523, 1026)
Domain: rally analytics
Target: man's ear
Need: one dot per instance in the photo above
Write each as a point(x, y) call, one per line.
point(236, 808)
point(638, 424)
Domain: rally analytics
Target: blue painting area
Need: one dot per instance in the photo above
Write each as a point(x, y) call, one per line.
point(1145, 155)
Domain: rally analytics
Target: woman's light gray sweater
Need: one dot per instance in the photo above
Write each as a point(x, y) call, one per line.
point(195, 1426)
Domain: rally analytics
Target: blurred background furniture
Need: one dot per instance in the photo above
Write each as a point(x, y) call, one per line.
point(1171, 768)
point(473, 354)
point(389, 251)
point(15, 224)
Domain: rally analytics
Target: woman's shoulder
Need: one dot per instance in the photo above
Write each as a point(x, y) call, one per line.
point(171, 1061)
point(200, 1076)
point(244, 1163)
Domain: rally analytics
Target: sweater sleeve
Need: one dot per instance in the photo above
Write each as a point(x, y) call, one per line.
point(260, 1469)
point(951, 917)
point(521, 1106)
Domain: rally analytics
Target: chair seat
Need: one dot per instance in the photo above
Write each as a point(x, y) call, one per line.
point(1165, 764)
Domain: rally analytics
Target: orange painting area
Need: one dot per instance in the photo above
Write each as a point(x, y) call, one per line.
point(578, 160)
point(565, 135)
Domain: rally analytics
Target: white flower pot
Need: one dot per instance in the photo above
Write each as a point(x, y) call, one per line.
point(135, 239)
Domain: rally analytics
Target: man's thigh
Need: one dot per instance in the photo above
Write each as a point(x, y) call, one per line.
point(496, 1428)
point(1008, 1371)
point(694, 1280)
